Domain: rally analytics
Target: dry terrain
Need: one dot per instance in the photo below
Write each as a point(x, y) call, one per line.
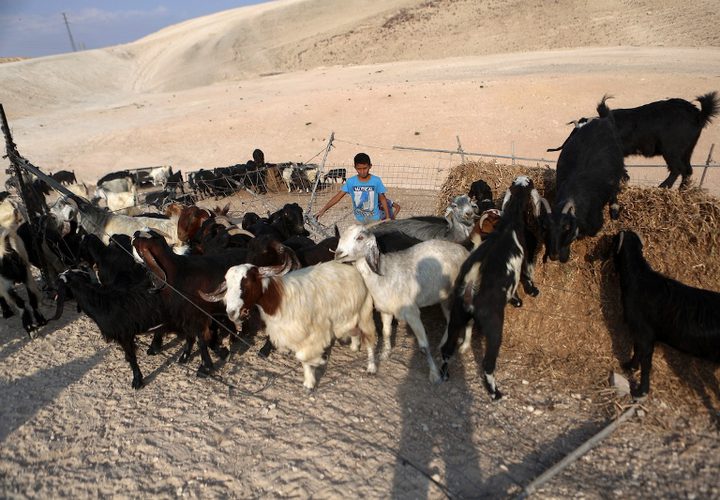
point(501, 76)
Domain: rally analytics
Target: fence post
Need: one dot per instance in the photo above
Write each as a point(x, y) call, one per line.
point(707, 164)
point(321, 171)
point(460, 150)
point(513, 152)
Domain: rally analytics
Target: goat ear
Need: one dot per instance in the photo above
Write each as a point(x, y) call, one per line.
point(337, 232)
point(569, 208)
point(505, 200)
point(216, 295)
point(372, 257)
point(536, 200)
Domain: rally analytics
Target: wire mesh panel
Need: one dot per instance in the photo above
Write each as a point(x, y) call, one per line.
point(411, 188)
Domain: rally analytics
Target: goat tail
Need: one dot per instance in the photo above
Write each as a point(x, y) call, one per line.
point(602, 109)
point(709, 107)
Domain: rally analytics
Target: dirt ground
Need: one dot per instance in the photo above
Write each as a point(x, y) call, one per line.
point(72, 426)
point(498, 76)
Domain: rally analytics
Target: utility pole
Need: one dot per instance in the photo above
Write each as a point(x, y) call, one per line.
point(67, 25)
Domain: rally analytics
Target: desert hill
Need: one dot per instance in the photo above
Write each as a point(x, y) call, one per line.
point(281, 75)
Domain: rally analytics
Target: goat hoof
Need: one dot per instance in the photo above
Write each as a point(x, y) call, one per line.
point(638, 396)
point(516, 302)
point(40, 319)
point(534, 291)
point(137, 383)
point(444, 372)
point(184, 358)
point(629, 366)
point(266, 349)
point(203, 371)
point(222, 352)
point(154, 350)
point(496, 395)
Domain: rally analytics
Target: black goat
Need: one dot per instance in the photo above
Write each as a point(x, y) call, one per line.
point(670, 128)
point(186, 312)
point(660, 309)
point(488, 280)
point(481, 193)
point(64, 177)
point(121, 174)
point(283, 224)
point(589, 171)
point(120, 312)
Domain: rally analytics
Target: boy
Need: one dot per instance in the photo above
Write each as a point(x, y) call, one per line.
point(367, 193)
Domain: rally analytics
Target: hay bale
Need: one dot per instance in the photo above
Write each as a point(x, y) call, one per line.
point(575, 327)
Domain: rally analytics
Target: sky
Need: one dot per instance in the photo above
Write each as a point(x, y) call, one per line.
point(33, 28)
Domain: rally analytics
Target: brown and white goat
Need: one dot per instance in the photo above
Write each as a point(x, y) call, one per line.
point(304, 310)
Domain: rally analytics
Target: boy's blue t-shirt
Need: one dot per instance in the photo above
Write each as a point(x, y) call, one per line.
point(364, 196)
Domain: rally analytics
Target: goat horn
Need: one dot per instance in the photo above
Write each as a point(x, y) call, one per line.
point(620, 243)
point(569, 208)
point(216, 295)
point(546, 205)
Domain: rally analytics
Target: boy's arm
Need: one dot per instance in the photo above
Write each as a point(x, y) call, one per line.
point(384, 205)
point(331, 202)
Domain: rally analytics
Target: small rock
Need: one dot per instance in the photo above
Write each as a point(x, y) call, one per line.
point(355, 419)
point(436, 477)
point(525, 382)
point(503, 467)
point(641, 413)
point(620, 383)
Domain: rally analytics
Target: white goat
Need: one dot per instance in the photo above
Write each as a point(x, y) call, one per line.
point(454, 226)
point(159, 175)
point(304, 309)
point(121, 203)
point(104, 224)
point(402, 282)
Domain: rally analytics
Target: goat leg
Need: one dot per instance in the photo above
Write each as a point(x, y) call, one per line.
point(493, 328)
point(187, 350)
point(128, 345)
point(206, 365)
point(7, 311)
point(646, 356)
point(156, 344)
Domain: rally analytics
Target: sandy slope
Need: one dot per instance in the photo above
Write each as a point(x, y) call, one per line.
point(490, 102)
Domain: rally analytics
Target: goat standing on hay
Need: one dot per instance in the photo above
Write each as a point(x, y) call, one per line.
point(589, 172)
point(657, 308)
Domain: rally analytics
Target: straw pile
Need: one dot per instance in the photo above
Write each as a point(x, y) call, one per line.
point(574, 329)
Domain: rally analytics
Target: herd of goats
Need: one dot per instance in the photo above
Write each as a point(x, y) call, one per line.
point(201, 274)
